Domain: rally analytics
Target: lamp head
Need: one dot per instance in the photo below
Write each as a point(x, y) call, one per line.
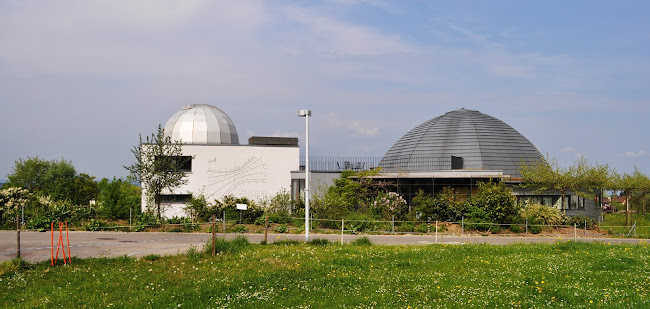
point(304, 113)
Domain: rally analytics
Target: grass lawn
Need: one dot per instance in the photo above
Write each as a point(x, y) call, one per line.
point(614, 223)
point(566, 274)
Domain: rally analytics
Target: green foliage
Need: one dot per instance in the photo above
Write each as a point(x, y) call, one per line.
point(281, 228)
point(57, 179)
point(319, 242)
point(117, 197)
point(356, 222)
point(95, 225)
point(389, 205)
point(157, 167)
point(515, 228)
point(497, 201)
point(580, 221)
point(227, 246)
point(151, 257)
point(229, 205)
point(280, 204)
point(541, 214)
point(362, 241)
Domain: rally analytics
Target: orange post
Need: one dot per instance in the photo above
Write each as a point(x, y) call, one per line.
point(67, 238)
point(61, 242)
point(52, 240)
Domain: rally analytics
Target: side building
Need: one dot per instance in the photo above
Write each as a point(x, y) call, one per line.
point(217, 165)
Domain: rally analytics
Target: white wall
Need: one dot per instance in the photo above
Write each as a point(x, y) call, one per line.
point(248, 171)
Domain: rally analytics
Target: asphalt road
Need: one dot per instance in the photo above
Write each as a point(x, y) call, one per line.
point(36, 247)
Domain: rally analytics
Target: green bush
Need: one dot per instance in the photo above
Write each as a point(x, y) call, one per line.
point(534, 229)
point(495, 229)
point(405, 227)
point(281, 228)
point(239, 229)
point(362, 241)
point(95, 225)
point(422, 228)
point(319, 242)
point(541, 214)
point(225, 246)
point(516, 228)
point(579, 221)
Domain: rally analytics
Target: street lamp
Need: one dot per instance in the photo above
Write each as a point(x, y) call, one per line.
point(306, 113)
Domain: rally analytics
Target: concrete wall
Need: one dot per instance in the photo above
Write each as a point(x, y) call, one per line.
point(248, 171)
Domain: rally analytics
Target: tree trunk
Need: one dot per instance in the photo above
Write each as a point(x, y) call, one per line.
point(18, 236)
point(627, 210)
point(643, 204)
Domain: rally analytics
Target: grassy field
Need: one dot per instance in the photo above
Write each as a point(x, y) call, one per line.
point(615, 224)
point(566, 274)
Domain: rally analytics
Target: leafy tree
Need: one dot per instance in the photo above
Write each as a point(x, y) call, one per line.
point(13, 199)
point(630, 184)
point(57, 179)
point(117, 197)
point(157, 167)
point(581, 178)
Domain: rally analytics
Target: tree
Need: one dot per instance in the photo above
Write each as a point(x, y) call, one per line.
point(13, 199)
point(496, 199)
point(55, 178)
point(629, 184)
point(158, 167)
point(117, 197)
point(581, 178)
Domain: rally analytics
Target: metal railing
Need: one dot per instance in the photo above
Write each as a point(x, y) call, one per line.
point(388, 164)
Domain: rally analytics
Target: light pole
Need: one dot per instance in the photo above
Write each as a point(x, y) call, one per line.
point(306, 113)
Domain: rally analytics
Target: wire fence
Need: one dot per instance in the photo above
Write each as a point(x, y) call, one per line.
point(295, 225)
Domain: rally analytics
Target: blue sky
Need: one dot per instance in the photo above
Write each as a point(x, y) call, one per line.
point(81, 79)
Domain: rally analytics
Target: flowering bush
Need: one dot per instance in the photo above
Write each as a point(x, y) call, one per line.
point(391, 204)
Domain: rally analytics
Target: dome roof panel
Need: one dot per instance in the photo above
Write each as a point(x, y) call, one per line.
point(201, 124)
point(484, 142)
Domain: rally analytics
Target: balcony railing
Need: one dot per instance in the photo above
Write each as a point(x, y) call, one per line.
point(388, 164)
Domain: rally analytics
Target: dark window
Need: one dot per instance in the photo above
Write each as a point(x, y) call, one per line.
point(175, 198)
point(182, 163)
point(456, 163)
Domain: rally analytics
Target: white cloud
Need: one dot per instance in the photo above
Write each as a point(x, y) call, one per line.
point(363, 131)
point(631, 154)
point(568, 149)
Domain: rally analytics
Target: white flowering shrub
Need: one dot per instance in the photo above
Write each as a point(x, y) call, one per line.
point(388, 205)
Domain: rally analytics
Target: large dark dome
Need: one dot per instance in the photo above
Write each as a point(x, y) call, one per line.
point(482, 141)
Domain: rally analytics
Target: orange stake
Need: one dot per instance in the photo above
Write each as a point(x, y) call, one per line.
point(61, 242)
point(67, 238)
point(52, 255)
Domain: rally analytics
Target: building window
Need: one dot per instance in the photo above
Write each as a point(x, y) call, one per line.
point(175, 198)
point(168, 163)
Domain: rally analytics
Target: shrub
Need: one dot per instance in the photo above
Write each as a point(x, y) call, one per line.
point(534, 229)
point(405, 227)
point(422, 228)
point(541, 214)
point(286, 242)
point(516, 228)
point(495, 229)
point(151, 257)
point(362, 241)
point(239, 229)
point(580, 221)
point(281, 228)
point(95, 225)
point(224, 246)
point(497, 201)
point(319, 242)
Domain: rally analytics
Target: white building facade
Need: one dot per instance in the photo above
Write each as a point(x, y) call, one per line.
point(220, 166)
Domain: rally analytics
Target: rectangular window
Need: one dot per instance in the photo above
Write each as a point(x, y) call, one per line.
point(175, 163)
point(174, 198)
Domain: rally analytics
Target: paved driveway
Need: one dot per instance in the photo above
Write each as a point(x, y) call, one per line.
point(36, 246)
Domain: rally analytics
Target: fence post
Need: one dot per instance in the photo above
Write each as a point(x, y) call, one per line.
point(462, 225)
point(130, 222)
point(266, 227)
point(393, 225)
point(436, 231)
point(224, 221)
point(575, 232)
point(585, 228)
point(526, 226)
point(214, 236)
point(342, 229)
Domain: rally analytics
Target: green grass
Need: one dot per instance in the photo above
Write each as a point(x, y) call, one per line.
point(614, 223)
point(567, 274)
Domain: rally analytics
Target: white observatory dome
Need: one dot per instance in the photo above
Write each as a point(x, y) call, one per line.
point(201, 124)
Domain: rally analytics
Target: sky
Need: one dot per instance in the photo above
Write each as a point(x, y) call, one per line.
point(80, 80)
